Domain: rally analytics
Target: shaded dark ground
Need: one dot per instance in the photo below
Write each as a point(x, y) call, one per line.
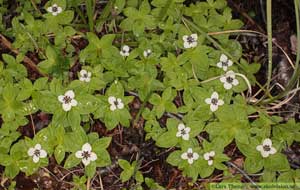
point(129, 143)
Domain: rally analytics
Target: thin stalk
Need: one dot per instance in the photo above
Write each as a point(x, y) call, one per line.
point(90, 13)
point(79, 12)
point(269, 30)
point(296, 72)
point(142, 108)
point(35, 7)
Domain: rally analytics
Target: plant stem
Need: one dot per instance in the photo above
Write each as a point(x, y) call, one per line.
point(79, 12)
point(88, 184)
point(296, 72)
point(90, 13)
point(35, 7)
point(137, 117)
point(269, 30)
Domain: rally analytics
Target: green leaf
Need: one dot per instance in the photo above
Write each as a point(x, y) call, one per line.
point(124, 164)
point(166, 140)
point(103, 158)
point(41, 83)
point(72, 161)
point(253, 165)
point(8, 59)
point(152, 185)
point(65, 17)
point(277, 162)
point(174, 158)
point(139, 177)
point(74, 119)
point(90, 170)
point(102, 143)
point(11, 170)
point(59, 153)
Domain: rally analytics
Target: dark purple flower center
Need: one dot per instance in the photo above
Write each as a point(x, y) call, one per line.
point(229, 79)
point(266, 148)
point(116, 103)
point(224, 63)
point(67, 99)
point(183, 132)
point(37, 153)
point(190, 39)
point(214, 101)
point(54, 9)
point(86, 154)
point(190, 155)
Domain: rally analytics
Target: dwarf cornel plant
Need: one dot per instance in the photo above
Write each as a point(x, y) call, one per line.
point(93, 62)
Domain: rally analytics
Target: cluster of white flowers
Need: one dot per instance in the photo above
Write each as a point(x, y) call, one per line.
point(191, 156)
point(68, 100)
point(115, 103)
point(54, 9)
point(85, 154)
point(125, 51)
point(228, 79)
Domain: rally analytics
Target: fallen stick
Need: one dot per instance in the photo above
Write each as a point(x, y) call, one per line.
point(26, 59)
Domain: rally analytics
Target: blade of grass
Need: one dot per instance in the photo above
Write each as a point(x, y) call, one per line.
point(35, 7)
point(79, 12)
point(90, 13)
point(269, 31)
point(296, 73)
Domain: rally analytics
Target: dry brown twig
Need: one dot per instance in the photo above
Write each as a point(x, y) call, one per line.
point(5, 42)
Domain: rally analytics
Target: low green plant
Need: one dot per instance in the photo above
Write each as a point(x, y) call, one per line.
point(194, 90)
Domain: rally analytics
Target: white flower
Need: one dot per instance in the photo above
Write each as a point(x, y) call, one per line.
point(190, 41)
point(125, 51)
point(224, 62)
point(229, 79)
point(183, 132)
point(68, 100)
point(37, 152)
point(266, 148)
point(85, 154)
point(209, 156)
point(115, 103)
point(54, 9)
point(214, 101)
point(190, 156)
point(147, 53)
point(85, 76)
